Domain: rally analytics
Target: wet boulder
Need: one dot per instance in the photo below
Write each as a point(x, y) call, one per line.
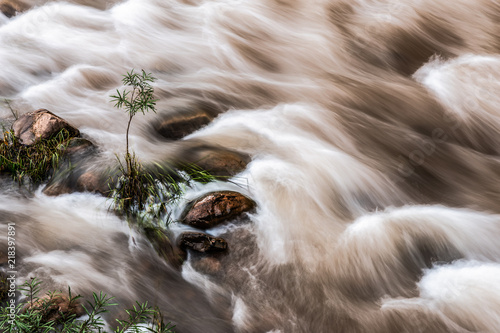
point(77, 172)
point(216, 207)
point(207, 265)
point(79, 179)
point(3, 258)
point(39, 125)
point(92, 181)
point(177, 124)
point(217, 161)
point(4, 287)
point(78, 147)
point(201, 242)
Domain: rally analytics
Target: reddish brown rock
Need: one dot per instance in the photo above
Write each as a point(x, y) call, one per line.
point(11, 7)
point(207, 265)
point(201, 242)
point(176, 125)
point(91, 182)
point(54, 306)
point(216, 207)
point(216, 160)
point(40, 124)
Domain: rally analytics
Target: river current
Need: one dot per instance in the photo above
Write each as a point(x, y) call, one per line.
point(373, 128)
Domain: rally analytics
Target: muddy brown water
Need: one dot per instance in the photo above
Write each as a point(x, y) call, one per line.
point(373, 128)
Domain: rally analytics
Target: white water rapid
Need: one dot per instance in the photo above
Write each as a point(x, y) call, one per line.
point(373, 128)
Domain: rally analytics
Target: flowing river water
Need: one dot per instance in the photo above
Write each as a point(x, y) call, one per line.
point(373, 128)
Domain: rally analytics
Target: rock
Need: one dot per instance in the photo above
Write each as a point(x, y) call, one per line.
point(52, 307)
point(78, 180)
point(163, 246)
point(201, 242)
point(90, 181)
point(11, 7)
point(216, 207)
point(176, 125)
point(78, 173)
point(217, 161)
point(79, 146)
point(207, 265)
point(40, 124)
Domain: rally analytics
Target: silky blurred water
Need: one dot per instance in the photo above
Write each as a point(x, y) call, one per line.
point(373, 128)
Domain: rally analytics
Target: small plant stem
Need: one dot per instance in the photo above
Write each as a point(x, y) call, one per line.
point(127, 156)
point(10, 107)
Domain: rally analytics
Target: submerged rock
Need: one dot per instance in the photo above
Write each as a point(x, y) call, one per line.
point(178, 124)
point(77, 172)
point(39, 125)
point(201, 242)
point(163, 246)
point(78, 180)
point(216, 160)
point(216, 207)
point(91, 181)
point(207, 265)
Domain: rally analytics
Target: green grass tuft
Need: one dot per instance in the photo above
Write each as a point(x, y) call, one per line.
point(33, 162)
point(146, 194)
